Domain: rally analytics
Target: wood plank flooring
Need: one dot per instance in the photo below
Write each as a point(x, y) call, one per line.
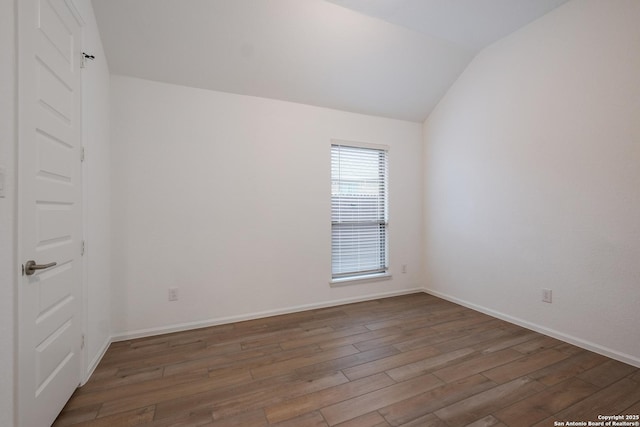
point(413, 360)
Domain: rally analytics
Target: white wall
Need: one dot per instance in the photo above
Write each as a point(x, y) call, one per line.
point(7, 210)
point(97, 192)
point(227, 198)
point(532, 171)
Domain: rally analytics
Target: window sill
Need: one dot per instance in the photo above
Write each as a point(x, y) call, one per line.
point(359, 279)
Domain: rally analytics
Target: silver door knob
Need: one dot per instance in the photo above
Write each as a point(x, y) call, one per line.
point(30, 267)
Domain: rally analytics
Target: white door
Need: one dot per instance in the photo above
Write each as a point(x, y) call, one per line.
point(50, 214)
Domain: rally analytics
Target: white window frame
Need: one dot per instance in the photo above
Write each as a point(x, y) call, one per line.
point(347, 278)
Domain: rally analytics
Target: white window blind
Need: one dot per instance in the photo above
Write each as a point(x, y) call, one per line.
point(358, 211)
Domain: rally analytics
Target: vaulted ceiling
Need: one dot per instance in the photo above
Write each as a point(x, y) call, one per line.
point(392, 58)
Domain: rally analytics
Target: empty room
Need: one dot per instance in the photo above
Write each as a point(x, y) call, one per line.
point(320, 213)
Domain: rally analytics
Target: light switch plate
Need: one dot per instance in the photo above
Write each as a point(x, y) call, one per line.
point(2, 181)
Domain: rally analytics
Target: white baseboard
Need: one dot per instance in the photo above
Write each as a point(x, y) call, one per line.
point(140, 333)
point(587, 345)
point(94, 363)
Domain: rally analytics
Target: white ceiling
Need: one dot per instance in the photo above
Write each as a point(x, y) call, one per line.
point(392, 58)
point(473, 24)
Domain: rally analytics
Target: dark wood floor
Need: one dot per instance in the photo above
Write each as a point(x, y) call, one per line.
point(414, 360)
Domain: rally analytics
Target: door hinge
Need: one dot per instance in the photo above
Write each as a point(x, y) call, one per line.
point(82, 248)
point(82, 342)
point(82, 154)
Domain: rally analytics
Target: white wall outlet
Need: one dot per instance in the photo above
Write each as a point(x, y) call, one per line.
point(547, 295)
point(404, 268)
point(173, 294)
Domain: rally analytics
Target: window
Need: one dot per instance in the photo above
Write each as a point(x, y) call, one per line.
point(359, 220)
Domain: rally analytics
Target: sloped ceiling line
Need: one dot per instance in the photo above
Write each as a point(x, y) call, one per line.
point(391, 58)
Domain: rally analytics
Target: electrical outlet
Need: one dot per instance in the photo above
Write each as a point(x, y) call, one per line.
point(547, 295)
point(173, 294)
point(404, 268)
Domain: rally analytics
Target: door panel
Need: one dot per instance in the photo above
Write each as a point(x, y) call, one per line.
point(50, 192)
point(54, 94)
point(55, 162)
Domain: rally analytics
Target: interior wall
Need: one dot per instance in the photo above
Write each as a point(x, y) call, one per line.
point(97, 191)
point(532, 171)
point(7, 210)
point(227, 198)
